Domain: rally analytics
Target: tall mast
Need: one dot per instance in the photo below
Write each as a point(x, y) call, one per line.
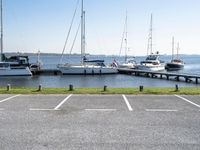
point(178, 50)
point(1, 30)
point(82, 34)
point(172, 48)
point(150, 39)
point(126, 32)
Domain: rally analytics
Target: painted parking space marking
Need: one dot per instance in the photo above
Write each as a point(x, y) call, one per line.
point(1, 109)
point(161, 110)
point(127, 103)
point(62, 102)
point(9, 98)
point(188, 101)
point(100, 109)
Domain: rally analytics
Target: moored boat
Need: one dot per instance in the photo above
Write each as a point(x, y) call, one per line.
point(176, 63)
point(10, 68)
point(152, 62)
point(86, 67)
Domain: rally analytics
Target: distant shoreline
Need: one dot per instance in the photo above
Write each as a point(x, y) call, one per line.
point(99, 55)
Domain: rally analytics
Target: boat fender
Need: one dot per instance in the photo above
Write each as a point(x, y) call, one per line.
point(92, 71)
point(100, 71)
point(85, 72)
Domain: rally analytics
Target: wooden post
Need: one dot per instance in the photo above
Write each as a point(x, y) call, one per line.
point(196, 80)
point(161, 76)
point(71, 88)
point(176, 88)
point(105, 88)
point(167, 77)
point(141, 88)
point(8, 87)
point(40, 88)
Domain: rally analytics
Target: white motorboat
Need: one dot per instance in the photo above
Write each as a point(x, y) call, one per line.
point(152, 62)
point(85, 67)
point(9, 68)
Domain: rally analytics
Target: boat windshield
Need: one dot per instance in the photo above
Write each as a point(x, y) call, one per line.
point(152, 57)
point(4, 65)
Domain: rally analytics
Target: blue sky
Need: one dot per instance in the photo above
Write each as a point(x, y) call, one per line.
point(32, 25)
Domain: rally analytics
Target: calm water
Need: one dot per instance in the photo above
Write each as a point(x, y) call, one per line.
point(192, 66)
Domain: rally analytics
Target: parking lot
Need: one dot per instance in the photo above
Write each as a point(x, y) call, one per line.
point(60, 122)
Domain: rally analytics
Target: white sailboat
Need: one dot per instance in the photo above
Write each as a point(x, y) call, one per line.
point(152, 62)
point(128, 63)
point(5, 67)
point(86, 67)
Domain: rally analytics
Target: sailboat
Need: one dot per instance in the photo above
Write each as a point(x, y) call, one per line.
point(94, 67)
point(176, 63)
point(7, 68)
point(152, 61)
point(128, 63)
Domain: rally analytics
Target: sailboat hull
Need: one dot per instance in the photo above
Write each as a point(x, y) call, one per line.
point(87, 70)
point(174, 66)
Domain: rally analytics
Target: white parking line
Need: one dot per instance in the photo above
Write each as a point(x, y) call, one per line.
point(100, 109)
point(127, 103)
point(1, 109)
point(187, 100)
point(161, 110)
point(61, 103)
point(9, 98)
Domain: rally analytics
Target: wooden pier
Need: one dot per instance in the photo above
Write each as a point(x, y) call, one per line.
point(162, 75)
point(47, 72)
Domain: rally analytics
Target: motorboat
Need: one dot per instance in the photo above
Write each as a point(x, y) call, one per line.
point(152, 63)
point(7, 70)
point(11, 68)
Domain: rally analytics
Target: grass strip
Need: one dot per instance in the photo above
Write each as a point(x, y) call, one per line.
point(134, 91)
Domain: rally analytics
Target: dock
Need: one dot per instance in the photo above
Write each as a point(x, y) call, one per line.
point(188, 78)
point(162, 75)
point(47, 72)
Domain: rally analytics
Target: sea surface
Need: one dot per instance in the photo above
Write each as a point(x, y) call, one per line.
point(192, 66)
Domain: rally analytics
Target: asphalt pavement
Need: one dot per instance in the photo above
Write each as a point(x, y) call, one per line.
point(100, 122)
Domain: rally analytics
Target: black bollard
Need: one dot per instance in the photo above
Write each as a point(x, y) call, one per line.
point(105, 88)
point(71, 87)
point(141, 88)
point(8, 87)
point(176, 88)
point(40, 88)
